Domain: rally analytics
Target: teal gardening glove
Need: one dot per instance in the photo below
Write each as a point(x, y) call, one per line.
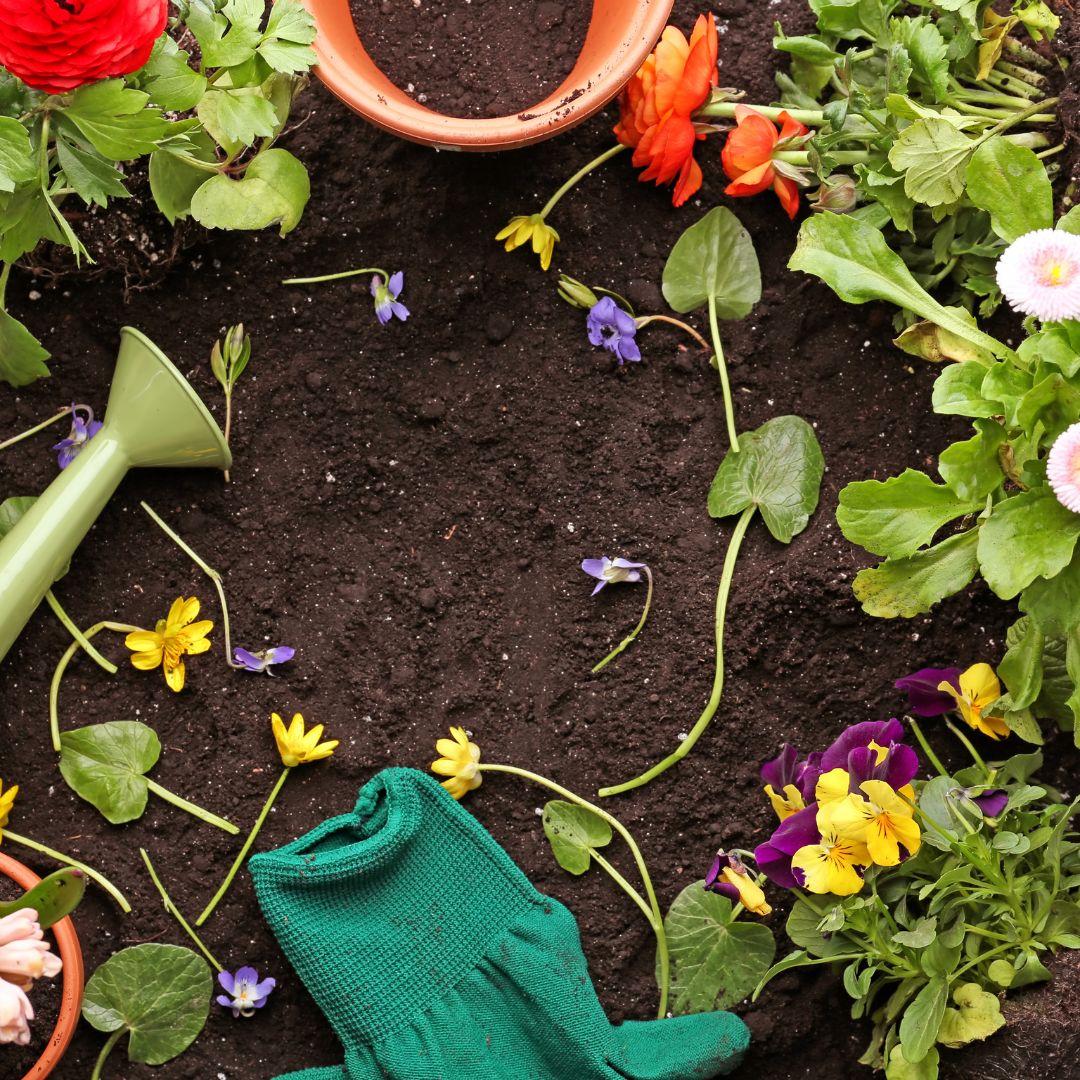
point(434, 958)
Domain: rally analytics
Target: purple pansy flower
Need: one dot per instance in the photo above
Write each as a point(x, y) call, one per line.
point(924, 697)
point(713, 881)
point(786, 769)
point(881, 732)
point(773, 858)
point(82, 431)
point(386, 294)
point(243, 991)
point(990, 802)
point(263, 660)
point(614, 329)
point(897, 768)
point(610, 571)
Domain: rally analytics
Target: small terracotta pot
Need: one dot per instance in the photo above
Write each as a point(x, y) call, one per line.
point(620, 36)
point(67, 943)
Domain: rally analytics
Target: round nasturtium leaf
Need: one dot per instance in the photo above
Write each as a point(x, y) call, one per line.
point(104, 764)
point(159, 993)
point(572, 832)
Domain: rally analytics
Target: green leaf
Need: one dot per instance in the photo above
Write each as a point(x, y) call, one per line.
point(927, 49)
point(977, 1016)
point(94, 179)
point(117, 120)
point(16, 154)
point(22, 359)
point(855, 262)
point(911, 586)
point(168, 78)
point(1054, 604)
point(899, 516)
point(1027, 536)
point(289, 32)
point(715, 961)
point(803, 927)
point(931, 342)
point(778, 469)
point(274, 190)
point(1070, 222)
point(104, 764)
point(1021, 668)
point(25, 220)
point(973, 468)
point(958, 392)
point(714, 259)
point(229, 38)
point(933, 156)
point(573, 833)
point(173, 181)
point(922, 1018)
point(935, 802)
point(237, 116)
point(899, 1068)
point(1010, 183)
point(919, 936)
point(160, 994)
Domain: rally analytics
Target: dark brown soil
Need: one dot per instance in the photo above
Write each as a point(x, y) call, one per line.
point(477, 58)
point(409, 507)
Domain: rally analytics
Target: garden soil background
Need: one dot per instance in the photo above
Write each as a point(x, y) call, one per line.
point(408, 508)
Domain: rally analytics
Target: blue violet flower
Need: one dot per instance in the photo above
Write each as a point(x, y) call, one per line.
point(614, 329)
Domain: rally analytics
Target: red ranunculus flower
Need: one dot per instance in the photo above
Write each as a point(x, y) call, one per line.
point(657, 104)
point(747, 156)
point(58, 45)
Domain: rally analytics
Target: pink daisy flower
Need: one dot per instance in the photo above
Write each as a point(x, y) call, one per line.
point(1063, 468)
point(1039, 274)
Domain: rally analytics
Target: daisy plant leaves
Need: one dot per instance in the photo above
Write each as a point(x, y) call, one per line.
point(1010, 183)
point(574, 834)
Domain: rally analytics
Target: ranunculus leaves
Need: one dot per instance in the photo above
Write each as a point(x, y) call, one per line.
point(778, 468)
point(16, 154)
point(116, 119)
point(159, 993)
point(574, 833)
point(714, 260)
point(22, 359)
point(104, 764)
point(273, 191)
point(715, 960)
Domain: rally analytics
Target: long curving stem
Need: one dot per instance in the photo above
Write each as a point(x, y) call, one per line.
point(190, 807)
point(633, 633)
point(725, 386)
point(92, 874)
point(584, 171)
point(77, 634)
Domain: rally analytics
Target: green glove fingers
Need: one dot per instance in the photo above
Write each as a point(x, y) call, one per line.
point(682, 1047)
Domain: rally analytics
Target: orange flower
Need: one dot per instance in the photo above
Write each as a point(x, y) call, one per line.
point(657, 105)
point(747, 157)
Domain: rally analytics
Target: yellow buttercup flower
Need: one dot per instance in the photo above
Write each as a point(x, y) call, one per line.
point(524, 228)
point(7, 799)
point(298, 747)
point(882, 820)
point(174, 637)
point(979, 688)
point(460, 762)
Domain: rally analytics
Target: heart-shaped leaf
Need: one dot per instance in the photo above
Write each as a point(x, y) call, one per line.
point(715, 960)
point(714, 259)
point(778, 468)
point(573, 832)
point(11, 510)
point(977, 1016)
point(159, 993)
point(274, 191)
point(104, 764)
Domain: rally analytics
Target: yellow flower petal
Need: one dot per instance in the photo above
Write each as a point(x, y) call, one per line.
point(832, 786)
point(980, 685)
point(510, 228)
point(197, 647)
point(147, 661)
point(197, 630)
point(143, 640)
point(174, 676)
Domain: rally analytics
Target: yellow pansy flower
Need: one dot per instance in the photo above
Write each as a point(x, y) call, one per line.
point(729, 877)
point(174, 637)
point(882, 821)
point(460, 762)
point(979, 688)
point(831, 865)
point(832, 787)
point(298, 747)
point(789, 802)
point(526, 227)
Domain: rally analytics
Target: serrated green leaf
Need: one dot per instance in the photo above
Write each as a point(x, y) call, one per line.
point(972, 468)
point(274, 190)
point(1010, 183)
point(715, 961)
point(933, 156)
point(911, 586)
point(237, 116)
point(22, 359)
point(715, 259)
point(159, 993)
point(1027, 536)
point(572, 832)
point(896, 517)
point(94, 179)
point(229, 38)
point(927, 50)
point(104, 764)
point(117, 120)
point(289, 32)
point(17, 164)
point(778, 469)
point(25, 220)
point(169, 79)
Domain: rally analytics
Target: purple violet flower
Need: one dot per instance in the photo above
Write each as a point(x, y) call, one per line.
point(243, 991)
point(610, 571)
point(386, 296)
point(924, 697)
point(990, 802)
point(263, 660)
point(614, 329)
point(82, 431)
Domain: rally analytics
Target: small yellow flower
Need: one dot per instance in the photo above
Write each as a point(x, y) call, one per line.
point(174, 637)
point(7, 799)
point(297, 747)
point(787, 802)
point(460, 761)
point(979, 688)
point(880, 819)
point(832, 787)
point(524, 228)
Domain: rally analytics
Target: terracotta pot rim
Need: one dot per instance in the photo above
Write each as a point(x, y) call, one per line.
point(67, 943)
point(630, 30)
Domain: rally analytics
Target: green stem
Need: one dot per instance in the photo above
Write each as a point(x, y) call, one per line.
point(983, 956)
point(110, 1042)
point(584, 171)
point(5, 273)
point(802, 157)
point(933, 758)
point(1032, 112)
point(975, 756)
point(336, 277)
point(239, 861)
point(77, 634)
point(190, 807)
point(726, 109)
point(92, 874)
point(644, 321)
point(209, 571)
point(633, 633)
point(718, 679)
point(657, 919)
point(45, 423)
point(1052, 151)
point(61, 667)
point(228, 423)
point(1019, 72)
point(721, 367)
point(174, 911)
point(623, 884)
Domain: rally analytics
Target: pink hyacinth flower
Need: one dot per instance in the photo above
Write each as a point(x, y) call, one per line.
point(1039, 274)
point(24, 954)
point(1063, 468)
point(16, 1013)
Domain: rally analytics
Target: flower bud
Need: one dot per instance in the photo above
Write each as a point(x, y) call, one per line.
point(837, 194)
point(576, 293)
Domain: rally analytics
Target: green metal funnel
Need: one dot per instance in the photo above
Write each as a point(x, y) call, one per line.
point(154, 418)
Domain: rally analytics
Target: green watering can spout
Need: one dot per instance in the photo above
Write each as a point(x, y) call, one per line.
point(154, 418)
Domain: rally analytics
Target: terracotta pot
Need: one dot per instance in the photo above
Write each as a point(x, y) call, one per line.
point(621, 34)
point(67, 943)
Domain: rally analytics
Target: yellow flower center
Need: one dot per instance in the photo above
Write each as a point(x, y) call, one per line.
point(1058, 271)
